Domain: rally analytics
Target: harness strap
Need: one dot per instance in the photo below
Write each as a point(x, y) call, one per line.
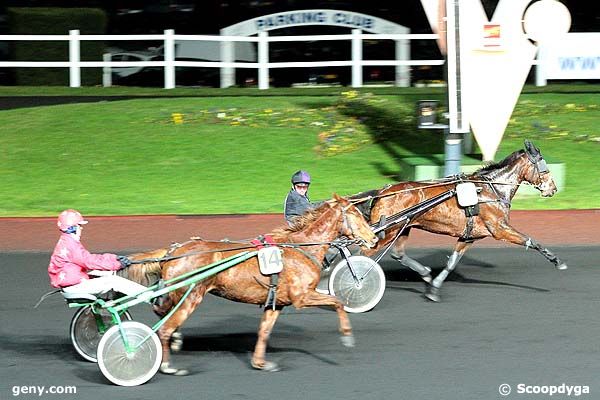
point(272, 294)
point(467, 235)
point(310, 256)
point(501, 199)
point(263, 241)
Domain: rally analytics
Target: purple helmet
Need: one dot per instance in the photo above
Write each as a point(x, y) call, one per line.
point(301, 177)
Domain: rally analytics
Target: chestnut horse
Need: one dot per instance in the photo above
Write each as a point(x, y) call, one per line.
point(497, 184)
point(244, 282)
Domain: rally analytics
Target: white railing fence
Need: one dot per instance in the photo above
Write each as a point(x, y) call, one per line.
point(169, 38)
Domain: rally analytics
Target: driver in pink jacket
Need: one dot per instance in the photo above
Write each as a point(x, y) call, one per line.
point(70, 262)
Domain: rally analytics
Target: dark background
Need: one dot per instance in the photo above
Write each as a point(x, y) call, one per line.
point(209, 16)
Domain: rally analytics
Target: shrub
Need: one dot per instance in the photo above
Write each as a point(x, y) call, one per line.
point(55, 21)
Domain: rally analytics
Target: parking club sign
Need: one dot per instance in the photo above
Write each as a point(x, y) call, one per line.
point(325, 17)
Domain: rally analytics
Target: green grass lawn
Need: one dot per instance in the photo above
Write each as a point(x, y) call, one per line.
point(235, 154)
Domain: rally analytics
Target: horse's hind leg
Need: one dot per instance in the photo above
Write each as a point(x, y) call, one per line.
point(398, 253)
point(314, 299)
point(264, 332)
point(176, 341)
point(165, 333)
point(433, 290)
point(177, 337)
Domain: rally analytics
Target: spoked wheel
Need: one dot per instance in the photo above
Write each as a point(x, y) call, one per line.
point(360, 294)
point(87, 328)
point(132, 365)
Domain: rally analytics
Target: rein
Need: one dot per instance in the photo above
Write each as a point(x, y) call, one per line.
point(440, 183)
point(249, 246)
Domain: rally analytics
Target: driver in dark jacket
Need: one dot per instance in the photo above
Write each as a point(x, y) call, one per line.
point(297, 201)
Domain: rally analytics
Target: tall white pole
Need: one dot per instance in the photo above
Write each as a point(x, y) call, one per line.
point(357, 79)
point(458, 125)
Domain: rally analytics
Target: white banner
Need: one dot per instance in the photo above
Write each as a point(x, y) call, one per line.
point(574, 56)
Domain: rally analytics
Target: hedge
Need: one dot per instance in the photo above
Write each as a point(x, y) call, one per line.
point(55, 21)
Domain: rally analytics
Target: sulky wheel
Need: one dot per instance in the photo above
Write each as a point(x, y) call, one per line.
point(87, 328)
point(135, 365)
point(360, 294)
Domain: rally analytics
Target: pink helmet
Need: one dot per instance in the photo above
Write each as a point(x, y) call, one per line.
point(69, 218)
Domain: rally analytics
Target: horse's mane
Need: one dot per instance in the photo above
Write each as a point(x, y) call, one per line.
point(299, 223)
point(510, 159)
point(365, 206)
point(146, 274)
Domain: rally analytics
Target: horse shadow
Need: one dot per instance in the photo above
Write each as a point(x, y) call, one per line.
point(241, 344)
point(396, 133)
point(436, 261)
point(50, 348)
point(36, 346)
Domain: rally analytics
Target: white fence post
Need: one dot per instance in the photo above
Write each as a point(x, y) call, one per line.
point(106, 71)
point(169, 59)
point(227, 55)
point(403, 54)
point(357, 79)
point(74, 58)
point(263, 60)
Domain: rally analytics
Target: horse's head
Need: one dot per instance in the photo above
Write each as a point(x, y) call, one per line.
point(354, 224)
point(537, 172)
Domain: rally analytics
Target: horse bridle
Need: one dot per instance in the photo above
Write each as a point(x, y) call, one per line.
point(535, 157)
point(540, 167)
point(539, 163)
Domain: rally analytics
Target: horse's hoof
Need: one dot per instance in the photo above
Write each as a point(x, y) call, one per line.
point(427, 279)
point(433, 294)
point(562, 266)
point(168, 370)
point(176, 342)
point(267, 366)
point(348, 340)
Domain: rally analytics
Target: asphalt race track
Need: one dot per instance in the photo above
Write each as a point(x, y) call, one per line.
point(507, 316)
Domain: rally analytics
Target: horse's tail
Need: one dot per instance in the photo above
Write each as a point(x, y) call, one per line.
point(147, 273)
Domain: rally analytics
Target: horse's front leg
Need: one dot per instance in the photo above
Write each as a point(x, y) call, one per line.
point(264, 332)
point(509, 234)
point(433, 290)
point(398, 253)
point(315, 299)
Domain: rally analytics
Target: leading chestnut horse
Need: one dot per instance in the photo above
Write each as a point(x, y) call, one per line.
point(244, 282)
point(497, 184)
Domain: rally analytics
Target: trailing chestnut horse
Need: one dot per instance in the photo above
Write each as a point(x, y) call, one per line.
point(245, 283)
point(497, 184)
